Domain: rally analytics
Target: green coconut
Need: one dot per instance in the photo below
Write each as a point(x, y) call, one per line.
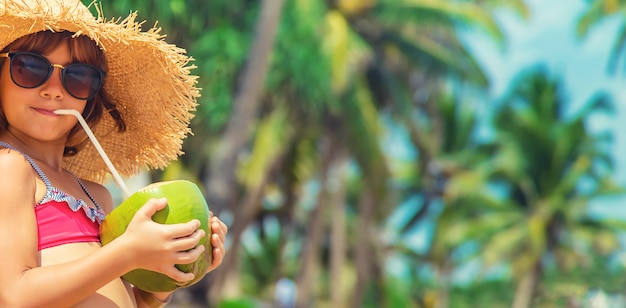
point(184, 203)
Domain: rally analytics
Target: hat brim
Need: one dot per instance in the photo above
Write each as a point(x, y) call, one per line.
point(148, 79)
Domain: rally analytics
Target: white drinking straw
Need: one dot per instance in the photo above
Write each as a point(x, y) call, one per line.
point(95, 142)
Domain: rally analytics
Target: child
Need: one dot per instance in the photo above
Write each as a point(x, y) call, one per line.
point(136, 93)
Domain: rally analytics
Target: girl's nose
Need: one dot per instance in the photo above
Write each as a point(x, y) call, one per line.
point(53, 87)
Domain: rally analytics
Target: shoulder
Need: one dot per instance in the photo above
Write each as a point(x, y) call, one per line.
point(12, 156)
point(21, 186)
point(14, 163)
point(101, 194)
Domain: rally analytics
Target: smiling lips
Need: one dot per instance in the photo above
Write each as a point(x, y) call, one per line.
point(46, 112)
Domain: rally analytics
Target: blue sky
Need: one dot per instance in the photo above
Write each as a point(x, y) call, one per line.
point(548, 37)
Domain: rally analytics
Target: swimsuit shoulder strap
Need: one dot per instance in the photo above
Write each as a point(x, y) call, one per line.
point(32, 162)
point(54, 194)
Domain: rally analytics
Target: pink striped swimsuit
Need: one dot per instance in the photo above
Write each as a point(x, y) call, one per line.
point(61, 218)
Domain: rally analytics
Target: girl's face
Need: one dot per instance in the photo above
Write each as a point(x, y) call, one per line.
point(29, 112)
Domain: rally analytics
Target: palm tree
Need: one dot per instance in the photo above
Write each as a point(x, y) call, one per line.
point(597, 12)
point(415, 53)
point(549, 166)
point(357, 62)
point(379, 55)
point(377, 50)
point(416, 49)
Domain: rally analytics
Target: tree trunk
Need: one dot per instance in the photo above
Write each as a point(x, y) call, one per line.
point(221, 185)
point(227, 282)
point(443, 283)
point(338, 231)
point(310, 255)
point(363, 252)
point(315, 229)
point(526, 288)
point(221, 182)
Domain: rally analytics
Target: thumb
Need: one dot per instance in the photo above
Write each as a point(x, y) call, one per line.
point(151, 207)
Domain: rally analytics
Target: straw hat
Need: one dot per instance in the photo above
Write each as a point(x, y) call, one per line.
point(148, 79)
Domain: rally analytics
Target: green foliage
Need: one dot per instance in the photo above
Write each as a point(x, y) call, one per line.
point(239, 303)
point(264, 259)
point(438, 49)
point(363, 121)
point(300, 69)
point(597, 12)
point(215, 33)
point(563, 286)
point(219, 54)
point(400, 293)
point(562, 169)
point(488, 293)
point(339, 75)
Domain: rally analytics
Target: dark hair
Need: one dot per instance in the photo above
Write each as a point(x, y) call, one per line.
point(84, 50)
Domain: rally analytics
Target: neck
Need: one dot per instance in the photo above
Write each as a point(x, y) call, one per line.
point(49, 153)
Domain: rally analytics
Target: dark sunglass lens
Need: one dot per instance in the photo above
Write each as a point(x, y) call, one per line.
point(82, 80)
point(29, 71)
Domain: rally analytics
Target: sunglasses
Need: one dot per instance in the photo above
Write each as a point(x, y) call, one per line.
point(30, 70)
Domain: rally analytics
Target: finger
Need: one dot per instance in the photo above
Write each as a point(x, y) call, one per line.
point(176, 274)
point(181, 230)
point(216, 240)
point(219, 251)
point(190, 256)
point(218, 257)
point(189, 242)
point(224, 229)
point(151, 207)
point(217, 226)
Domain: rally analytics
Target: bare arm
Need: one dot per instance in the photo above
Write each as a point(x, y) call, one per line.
point(20, 273)
point(24, 283)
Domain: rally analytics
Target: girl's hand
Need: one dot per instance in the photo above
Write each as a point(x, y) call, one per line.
point(158, 247)
point(218, 238)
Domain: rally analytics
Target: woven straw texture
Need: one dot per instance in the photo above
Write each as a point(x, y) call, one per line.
point(148, 79)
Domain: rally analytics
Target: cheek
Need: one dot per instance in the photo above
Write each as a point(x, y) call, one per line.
point(81, 107)
point(3, 80)
point(5, 75)
point(10, 94)
point(4, 91)
point(8, 90)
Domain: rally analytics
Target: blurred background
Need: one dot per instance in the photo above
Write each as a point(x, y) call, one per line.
point(406, 153)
